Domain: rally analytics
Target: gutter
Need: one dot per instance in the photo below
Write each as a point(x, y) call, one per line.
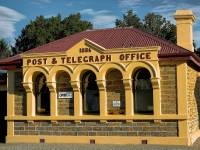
point(193, 58)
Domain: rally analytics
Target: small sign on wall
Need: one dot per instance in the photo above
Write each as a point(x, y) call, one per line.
point(116, 103)
point(65, 95)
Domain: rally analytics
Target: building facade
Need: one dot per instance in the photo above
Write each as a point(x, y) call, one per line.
point(121, 86)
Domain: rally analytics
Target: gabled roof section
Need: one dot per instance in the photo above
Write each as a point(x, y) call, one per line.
point(94, 45)
point(86, 42)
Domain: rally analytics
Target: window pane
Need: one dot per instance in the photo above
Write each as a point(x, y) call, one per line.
point(143, 92)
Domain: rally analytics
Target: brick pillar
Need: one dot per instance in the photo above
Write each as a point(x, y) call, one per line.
point(129, 103)
point(10, 93)
point(77, 99)
point(102, 97)
point(182, 100)
point(53, 98)
point(30, 98)
point(10, 103)
point(156, 96)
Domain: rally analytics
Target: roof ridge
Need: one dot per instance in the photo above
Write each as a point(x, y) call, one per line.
point(114, 28)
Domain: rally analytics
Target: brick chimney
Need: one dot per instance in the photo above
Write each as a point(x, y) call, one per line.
point(184, 20)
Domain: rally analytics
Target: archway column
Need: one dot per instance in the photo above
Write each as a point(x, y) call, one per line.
point(30, 99)
point(102, 97)
point(53, 98)
point(77, 98)
point(10, 93)
point(10, 101)
point(129, 101)
point(156, 96)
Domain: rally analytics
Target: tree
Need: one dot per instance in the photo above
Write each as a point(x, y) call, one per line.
point(74, 24)
point(152, 23)
point(160, 27)
point(4, 49)
point(44, 30)
point(129, 19)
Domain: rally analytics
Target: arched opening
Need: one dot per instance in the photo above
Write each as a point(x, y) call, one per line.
point(42, 94)
point(65, 94)
point(115, 92)
point(90, 93)
point(143, 92)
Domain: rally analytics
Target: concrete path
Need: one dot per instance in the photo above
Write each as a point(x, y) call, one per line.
point(196, 146)
point(92, 147)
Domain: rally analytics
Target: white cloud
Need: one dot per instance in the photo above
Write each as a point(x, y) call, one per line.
point(69, 4)
point(41, 1)
point(103, 21)
point(8, 19)
point(91, 12)
point(101, 18)
point(164, 8)
point(168, 10)
point(129, 3)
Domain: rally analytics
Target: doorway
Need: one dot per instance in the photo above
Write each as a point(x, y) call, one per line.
point(90, 94)
point(42, 95)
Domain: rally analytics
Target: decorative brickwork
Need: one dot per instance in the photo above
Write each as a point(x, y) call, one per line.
point(61, 128)
point(193, 88)
point(20, 95)
point(20, 103)
point(65, 105)
point(168, 89)
point(115, 92)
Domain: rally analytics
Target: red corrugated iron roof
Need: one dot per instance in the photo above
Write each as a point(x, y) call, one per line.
point(10, 60)
point(10, 63)
point(113, 38)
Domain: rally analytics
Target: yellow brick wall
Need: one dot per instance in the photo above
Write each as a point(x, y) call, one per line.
point(115, 92)
point(168, 89)
point(65, 105)
point(193, 88)
point(20, 94)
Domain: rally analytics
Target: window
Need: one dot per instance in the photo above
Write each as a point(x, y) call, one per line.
point(90, 93)
point(65, 95)
point(42, 95)
point(115, 92)
point(143, 92)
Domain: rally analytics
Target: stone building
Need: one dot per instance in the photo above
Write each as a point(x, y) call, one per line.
point(119, 86)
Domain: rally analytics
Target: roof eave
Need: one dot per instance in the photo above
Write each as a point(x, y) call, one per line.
point(10, 65)
point(186, 58)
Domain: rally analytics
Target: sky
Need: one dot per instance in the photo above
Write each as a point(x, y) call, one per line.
point(16, 14)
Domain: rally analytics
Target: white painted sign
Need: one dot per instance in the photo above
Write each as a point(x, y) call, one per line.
point(65, 94)
point(116, 103)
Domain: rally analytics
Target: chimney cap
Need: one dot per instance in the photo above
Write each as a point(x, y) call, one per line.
point(184, 14)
